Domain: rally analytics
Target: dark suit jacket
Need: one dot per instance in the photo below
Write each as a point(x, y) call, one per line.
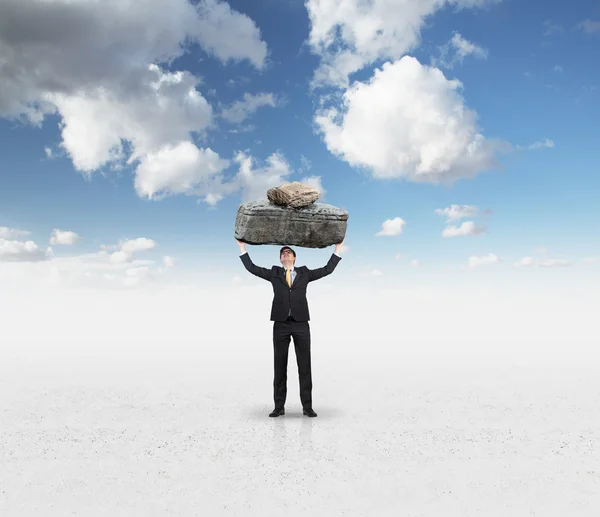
point(285, 297)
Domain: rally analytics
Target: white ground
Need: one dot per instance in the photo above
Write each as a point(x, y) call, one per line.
point(194, 439)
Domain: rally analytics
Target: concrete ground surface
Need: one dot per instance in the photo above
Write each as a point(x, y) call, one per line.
point(99, 438)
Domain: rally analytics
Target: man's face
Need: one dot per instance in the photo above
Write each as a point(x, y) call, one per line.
point(287, 258)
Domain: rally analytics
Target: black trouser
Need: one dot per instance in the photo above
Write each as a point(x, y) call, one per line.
point(282, 332)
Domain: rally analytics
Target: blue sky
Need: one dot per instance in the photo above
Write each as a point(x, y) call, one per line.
point(527, 72)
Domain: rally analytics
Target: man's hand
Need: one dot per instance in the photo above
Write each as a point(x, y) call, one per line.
point(338, 246)
point(242, 245)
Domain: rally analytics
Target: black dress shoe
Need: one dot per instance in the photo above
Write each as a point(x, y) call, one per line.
point(308, 412)
point(277, 412)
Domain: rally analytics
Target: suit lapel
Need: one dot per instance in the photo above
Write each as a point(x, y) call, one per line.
point(298, 273)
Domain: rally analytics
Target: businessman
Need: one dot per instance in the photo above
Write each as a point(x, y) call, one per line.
point(290, 317)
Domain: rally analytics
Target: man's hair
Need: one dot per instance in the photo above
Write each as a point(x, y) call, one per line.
point(287, 248)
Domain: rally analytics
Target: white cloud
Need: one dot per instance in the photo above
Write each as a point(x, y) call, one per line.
point(466, 228)
point(120, 257)
point(252, 180)
point(120, 100)
point(542, 144)
point(392, 227)
point(136, 275)
point(18, 251)
point(255, 181)
point(541, 262)
point(241, 110)
point(554, 263)
point(375, 272)
point(557, 68)
point(137, 271)
point(180, 169)
point(415, 263)
point(140, 244)
point(456, 50)
point(488, 259)
point(525, 262)
point(227, 34)
point(128, 248)
point(101, 261)
point(591, 260)
point(456, 212)
point(12, 233)
point(426, 134)
point(243, 129)
point(27, 265)
point(305, 165)
point(63, 237)
point(589, 26)
point(50, 51)
point(352, 34)
point(96, 122)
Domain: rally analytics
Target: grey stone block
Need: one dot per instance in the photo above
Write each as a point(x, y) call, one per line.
point(316, 226)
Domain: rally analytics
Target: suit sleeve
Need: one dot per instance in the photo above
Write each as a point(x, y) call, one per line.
point(258, 271)
point(316, 274)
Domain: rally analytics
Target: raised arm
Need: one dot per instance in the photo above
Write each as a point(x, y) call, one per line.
point(316, 274)
point(258, 271)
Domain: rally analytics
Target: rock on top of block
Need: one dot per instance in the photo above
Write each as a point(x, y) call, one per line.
point(293, 195)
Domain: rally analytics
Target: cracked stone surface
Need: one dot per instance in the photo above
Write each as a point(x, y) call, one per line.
point(316, 226)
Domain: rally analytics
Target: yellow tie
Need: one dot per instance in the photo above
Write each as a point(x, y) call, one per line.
point(288, 277)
